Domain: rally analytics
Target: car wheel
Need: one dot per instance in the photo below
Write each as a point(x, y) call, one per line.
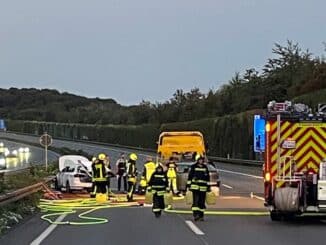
point(68, 189)
point(56, 185)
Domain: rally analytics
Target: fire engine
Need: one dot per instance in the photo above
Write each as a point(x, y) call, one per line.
point(295, 160)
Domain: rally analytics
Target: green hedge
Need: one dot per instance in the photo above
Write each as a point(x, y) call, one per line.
point(225, 135)
point(312, 99)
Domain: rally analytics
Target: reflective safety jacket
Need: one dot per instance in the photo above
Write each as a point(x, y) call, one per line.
point(158, 183)
point(99, 171)
point(149, 169)
point(131, 171)
point(172, 169)
point(198, 178)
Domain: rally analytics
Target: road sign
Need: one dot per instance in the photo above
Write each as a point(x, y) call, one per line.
point(259, 134)
point(289, 144)
point(46, 140)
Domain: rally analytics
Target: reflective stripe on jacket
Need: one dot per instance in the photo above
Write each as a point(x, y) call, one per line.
point(99, 171)
point(198, 178)
point(158, 183)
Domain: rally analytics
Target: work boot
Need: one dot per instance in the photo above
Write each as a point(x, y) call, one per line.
point(157, 214)
point(201, 216)
point(129, 199)
point(196, 216)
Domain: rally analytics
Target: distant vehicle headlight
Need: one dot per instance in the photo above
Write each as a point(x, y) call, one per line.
point(14, 152)
point(26, 150)
point(7, 152)
point(2, 162)
point(1, 144)
point(21, 150)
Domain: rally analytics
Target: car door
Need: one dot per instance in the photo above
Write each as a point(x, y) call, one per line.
point(64, 174)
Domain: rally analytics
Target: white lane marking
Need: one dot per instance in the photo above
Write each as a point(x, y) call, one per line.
point(242, 174)
point(194, 228)
point(48, 231)
point(227, 186)
point(257, 197)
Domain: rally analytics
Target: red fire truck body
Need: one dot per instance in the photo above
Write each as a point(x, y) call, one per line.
point(295, 160)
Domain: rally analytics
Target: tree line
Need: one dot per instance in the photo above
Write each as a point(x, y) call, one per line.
point(291, 73)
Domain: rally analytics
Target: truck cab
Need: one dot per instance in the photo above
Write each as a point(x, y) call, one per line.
point(184, 144)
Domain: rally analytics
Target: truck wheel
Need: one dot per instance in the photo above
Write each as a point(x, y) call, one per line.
point(289, 217)
point(275, 216)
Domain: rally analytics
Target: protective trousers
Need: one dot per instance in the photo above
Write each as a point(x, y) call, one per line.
point(198, 205)
point(124, 179)
point(131, 190)
point(100, 187)
point(158, 203)
point(173, 185)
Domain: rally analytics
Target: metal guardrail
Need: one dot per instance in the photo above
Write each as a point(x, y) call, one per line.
point(212, 158)
point(23, 192)
point(14, 170)
point(237, 161)
point(88, 142)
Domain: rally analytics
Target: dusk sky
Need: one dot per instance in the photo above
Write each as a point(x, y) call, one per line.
point(131, 50)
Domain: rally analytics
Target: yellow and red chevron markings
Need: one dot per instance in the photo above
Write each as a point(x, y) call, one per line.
point(310, 145)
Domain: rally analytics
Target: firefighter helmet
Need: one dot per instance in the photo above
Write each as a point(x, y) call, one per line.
point(101, 156)
point(199, 156)
point(133, 157)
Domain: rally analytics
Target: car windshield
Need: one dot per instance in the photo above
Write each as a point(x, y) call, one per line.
point(184, 165)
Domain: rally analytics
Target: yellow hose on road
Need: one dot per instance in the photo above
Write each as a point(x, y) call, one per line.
point(221, 213)
point(65, 207)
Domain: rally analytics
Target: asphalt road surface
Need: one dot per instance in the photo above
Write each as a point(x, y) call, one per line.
point(137, 225)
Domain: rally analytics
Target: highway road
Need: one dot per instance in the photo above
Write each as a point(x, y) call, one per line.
point(36, 155)
point(137, 225)
point(240, 180)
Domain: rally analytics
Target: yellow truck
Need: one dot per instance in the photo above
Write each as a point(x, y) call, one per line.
point(183, 144)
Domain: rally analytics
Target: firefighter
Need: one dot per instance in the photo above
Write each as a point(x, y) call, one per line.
point(172, 175)
point(149, 169)
point(132, 175)
point(99, 175)
point(158, 185)
point(198, 180)
point(121, 167)
point(92, 193)
point(109, 173)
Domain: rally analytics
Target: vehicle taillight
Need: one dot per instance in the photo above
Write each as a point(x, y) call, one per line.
point(267, 177)
point(268, 127)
